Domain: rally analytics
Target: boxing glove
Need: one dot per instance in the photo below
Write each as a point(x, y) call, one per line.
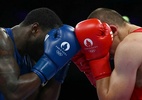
point(60, 45)
point(95, 39)
point(83, 65)
point(62, 73)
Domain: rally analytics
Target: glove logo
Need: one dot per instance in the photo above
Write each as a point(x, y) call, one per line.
point(88, 42)
point(89, 45)
point(65, 46)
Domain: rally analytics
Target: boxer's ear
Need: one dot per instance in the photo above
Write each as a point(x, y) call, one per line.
point(35, 28)
point(114, 29)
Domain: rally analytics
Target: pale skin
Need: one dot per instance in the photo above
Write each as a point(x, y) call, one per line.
point(128, 65)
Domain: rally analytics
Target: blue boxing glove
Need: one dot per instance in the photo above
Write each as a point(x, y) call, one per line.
point(60, 45)
point(62, 73)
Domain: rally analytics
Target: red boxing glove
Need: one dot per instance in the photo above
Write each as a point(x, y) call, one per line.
point(95, 39)
point(83, 65)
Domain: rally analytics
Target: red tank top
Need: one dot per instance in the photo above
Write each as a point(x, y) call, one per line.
point(137, 93)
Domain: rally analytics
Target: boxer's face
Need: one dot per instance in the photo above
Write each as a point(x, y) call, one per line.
point(38, 45)
point(35, 46)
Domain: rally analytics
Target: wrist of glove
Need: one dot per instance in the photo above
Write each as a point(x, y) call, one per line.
point(45, 69)
point(101, 67)
point(83, 65)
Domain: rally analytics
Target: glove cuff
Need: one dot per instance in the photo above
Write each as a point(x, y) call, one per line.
point(45, 69)
point(42, 78)
point(100, 68)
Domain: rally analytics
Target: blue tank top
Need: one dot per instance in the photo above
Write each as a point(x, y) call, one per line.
point(25, 63)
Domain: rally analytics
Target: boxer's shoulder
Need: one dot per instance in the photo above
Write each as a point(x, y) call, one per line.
point(6, 44)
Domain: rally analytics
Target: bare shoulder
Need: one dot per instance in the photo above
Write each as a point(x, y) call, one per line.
point(6, 45)
point(129, 51)
point(134, 39)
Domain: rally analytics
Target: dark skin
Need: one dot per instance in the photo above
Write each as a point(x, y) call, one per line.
point(20, 87)
point(50, 91)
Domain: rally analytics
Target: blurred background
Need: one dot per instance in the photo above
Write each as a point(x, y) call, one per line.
point(76, 85)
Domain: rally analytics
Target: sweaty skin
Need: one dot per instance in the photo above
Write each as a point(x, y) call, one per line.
point(127, 71)
point(11, 83)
